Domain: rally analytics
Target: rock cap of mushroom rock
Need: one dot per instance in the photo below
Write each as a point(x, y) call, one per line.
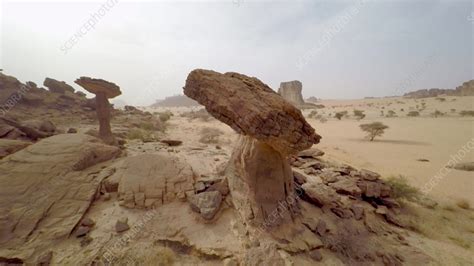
point(96, 86)
point(251, 108)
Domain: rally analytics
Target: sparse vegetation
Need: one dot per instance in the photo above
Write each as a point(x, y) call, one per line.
point(340, 115)
point(437, 113)
point(141, 134)
point(359, 114)
point(391, 113)
point(312, 114)
point(165, 116)
point(466, 113)
point(210, 135)
point(441, 99)
point(202, 115)
point(374, 129)
point(401, 189)
point(413, 113)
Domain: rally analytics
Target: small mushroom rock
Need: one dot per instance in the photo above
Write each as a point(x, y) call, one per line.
point(272, 129)
point(103, 90)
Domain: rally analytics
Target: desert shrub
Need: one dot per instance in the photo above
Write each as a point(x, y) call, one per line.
point(463, 204)
point(402, 110)
point(453, 110)
point(323, 120)
point(339, 115)
point(441, 99)
point(391, 113)
point(401, 189)
point(202, 115)
point(165, 116)
point(413, 113)
point(312, 114)
point(437, 113)
point(319, 106)
point(210, 135)
point(374, 129)
point(137, 133)
point(359, 114)
point(381, 113)
point(147, 126)
point(466, 113)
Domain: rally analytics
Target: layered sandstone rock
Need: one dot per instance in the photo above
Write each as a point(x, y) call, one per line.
point(57, 86)
point(260, 178)
point(46, 188)
point(466, 89)
point(292, 92)
point(151, 180)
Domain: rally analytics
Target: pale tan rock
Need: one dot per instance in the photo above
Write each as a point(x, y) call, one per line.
point(9, 146)
point(49, 206)
point(151, 180)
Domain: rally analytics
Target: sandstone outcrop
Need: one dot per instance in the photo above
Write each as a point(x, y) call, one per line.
point(271, 129)
point(466, 89)
point(151, 180)
point(103, 90)
point(9, 146)
point(292, 92)
point(46, 188)
point(57, 86)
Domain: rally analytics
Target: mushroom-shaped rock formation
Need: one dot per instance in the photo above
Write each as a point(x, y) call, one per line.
point(260, 177)
point(103, 90)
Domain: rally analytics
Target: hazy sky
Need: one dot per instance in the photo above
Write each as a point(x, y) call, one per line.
point(337, 49)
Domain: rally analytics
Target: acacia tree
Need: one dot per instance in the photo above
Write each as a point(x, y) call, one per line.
point(374, 129)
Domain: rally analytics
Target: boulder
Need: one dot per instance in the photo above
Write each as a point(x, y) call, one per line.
point(206, 203)
point(150, 180)
point(56, 86)
point(311, 153)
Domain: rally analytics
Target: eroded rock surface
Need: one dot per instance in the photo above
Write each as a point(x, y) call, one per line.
point(292, 92)
point(251, 108)
point(151, 180)
point(46, 188)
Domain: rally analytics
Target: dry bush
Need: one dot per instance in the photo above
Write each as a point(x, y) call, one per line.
point(340, 115)
point(141, 134)
point(312, 114)
point(374, 129)
point(401, 189)
point(437, 113)
point(463, 204)
point(391, 113)
point(441, 99)
point(413, 113)
point(359, 114)
point(323, 120)
point(210, 135)
point(466, 113)
point(164, 116)
point(202, 115)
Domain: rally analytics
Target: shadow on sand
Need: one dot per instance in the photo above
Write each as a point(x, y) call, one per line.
point(394, 141)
